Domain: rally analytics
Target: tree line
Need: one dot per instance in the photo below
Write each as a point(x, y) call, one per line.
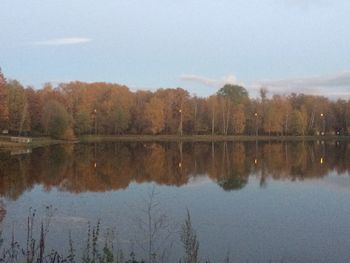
point(79, 108)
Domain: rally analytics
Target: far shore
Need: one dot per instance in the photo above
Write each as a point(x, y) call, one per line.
point(6, 144)
point(205, 138)
point(36, 142)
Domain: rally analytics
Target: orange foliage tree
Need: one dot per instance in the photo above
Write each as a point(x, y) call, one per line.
point(106, 108)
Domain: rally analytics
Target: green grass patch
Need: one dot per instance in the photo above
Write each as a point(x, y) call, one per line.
point(204, 138)
point(6, 144)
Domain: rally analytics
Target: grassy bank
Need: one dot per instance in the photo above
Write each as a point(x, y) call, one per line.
point(6, 144)
point(204, 138)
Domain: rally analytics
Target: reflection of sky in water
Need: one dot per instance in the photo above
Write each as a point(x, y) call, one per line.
point(303, 221)
point(335, 182)
point(299, 212)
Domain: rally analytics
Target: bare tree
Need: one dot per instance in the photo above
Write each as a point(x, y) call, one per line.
point(157, 230)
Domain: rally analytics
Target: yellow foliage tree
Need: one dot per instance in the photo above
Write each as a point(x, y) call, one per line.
point(154, 113)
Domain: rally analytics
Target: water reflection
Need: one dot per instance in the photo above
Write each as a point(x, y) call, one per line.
point(112, 166)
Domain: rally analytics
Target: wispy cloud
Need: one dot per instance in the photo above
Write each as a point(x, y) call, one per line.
point(210, 82)
point(62, 41)
point(305, 3)
point(341, 79)
point(334, 85)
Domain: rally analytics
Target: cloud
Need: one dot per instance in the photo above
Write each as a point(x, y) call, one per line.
point(63, 41)
point(336, 80)
point(215, 83)
point(334, 85)
point(305, 3)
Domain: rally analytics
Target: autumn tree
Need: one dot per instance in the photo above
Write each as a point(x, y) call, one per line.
point(276, 115)
point(19, 119)
point(75, 97)
point(35, 108)
point(176, 104)
point(4, 118)
point(154, 113)
point(268, 116)
point(285, 111)
point(239, 120)
point(265, 112)
point(120, 119)
point(347, 117)
point(253, 117)
point(2, 79)
point(231, 96)
point(57, 121)
point(121, 101)
point(214, 110)
point(235, 93)
point(225, 109)
point(138, 118)
point(298, 123)
point(106, 108)
point(201, 116)
point(82, 123)
point(80, 98)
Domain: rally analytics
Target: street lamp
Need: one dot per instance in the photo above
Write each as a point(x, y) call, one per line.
point(256, 124)
point(323, 123)
point(95, 113)
point(180, 128)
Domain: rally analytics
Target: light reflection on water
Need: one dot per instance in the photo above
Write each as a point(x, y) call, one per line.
point(272, 201)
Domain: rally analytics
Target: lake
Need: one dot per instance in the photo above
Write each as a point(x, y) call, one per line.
point(253, 201)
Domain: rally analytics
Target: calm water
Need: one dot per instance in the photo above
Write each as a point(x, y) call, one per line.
point(260, 202)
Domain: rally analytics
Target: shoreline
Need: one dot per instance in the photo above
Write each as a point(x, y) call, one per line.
point(6, 144)
point(206, 138)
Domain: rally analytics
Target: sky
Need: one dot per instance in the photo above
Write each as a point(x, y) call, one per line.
point(199, 45)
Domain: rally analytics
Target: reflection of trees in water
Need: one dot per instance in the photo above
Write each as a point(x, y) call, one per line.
point(14, 175)
point(234, 167)
point(233, 183)
point(110, 166)
point(2, 211)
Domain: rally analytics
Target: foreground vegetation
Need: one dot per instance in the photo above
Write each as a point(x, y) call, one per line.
point(36, 250)
point(74, 109)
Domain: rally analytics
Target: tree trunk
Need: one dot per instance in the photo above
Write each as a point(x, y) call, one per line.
point(223, 121)
point(227, 120)
point(213, 123)
point(195, 118)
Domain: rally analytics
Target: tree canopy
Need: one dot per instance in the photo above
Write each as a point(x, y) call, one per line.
point(237, 94)
point(78, 108)
point(56, 120)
